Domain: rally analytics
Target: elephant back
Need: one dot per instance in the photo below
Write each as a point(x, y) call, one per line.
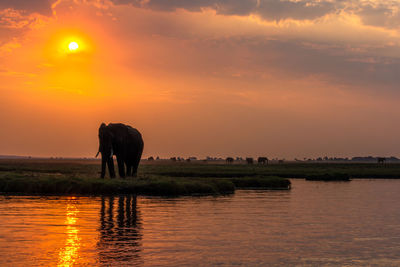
point(134, 134)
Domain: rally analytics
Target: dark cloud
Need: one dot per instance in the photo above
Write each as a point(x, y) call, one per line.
point(256, 57)
point(336, 63)
point(268, 9)
point(31, 6)
point(229, 7)
point(301, 10)
point(385, 14)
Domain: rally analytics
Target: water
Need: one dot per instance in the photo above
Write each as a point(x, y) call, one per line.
point(316, 223)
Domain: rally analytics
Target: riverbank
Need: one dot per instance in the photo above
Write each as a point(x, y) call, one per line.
point(81, 178)
point(167, 178)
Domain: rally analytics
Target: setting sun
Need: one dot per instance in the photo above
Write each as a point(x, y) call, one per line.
point(73, 46)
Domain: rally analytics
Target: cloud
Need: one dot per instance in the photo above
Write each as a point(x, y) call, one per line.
point(336, 50)
point(382, 14)
point(267, 9)
point(298, 10)
point(378, 13)
point(16, 19)
point(42, 7)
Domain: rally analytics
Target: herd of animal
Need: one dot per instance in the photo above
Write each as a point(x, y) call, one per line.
point(126, 143)
point(228, 160)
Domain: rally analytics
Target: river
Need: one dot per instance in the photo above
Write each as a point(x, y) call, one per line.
point(353, 223)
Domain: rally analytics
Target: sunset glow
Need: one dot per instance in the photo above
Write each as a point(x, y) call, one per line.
point(305, 79)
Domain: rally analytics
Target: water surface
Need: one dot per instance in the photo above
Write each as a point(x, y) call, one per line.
point(316, 223)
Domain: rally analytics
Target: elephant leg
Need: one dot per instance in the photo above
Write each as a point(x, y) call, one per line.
point(128, 169)
point(121, 167)
point(135, 168)
point(103, 167)
point(110, 163)
point(136, 162)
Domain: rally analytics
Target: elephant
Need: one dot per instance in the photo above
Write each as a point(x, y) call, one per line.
point(381, 160)
point(123, 141)
point(229, 160)
point(249, 160)
point(262, 160)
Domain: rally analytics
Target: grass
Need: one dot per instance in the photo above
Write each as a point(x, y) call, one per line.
point(287, 170)
point(168, 178)
point(48, 185)
point(65, 177)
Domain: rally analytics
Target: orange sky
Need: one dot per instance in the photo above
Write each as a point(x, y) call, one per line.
point(201, 78)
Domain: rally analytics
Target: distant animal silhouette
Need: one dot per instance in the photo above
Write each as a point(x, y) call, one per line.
point(381, 160)
point(262, 160)
point(123, 141)
point(229, 160)
point(249, 160)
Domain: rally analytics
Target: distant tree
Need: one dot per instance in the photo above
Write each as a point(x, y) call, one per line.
point(150, 159)
point(173, 158)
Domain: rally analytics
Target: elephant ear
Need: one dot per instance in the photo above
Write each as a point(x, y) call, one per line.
point(102, 126)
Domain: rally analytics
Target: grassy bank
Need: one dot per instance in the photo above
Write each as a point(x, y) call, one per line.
point(287, 170)
point(47, 185)
point(172, 178)
point(69, 177)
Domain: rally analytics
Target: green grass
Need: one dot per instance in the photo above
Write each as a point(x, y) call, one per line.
point(168, 178)
point(65, 177)
point(49, 185)
point(287, 170)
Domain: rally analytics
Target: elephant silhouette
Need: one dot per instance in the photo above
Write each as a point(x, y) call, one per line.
point(123, 141)
point(229, 160)
point(381, 160)
point(249, 160)
point(262, 160)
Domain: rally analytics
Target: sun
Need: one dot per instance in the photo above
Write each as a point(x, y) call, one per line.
point(73, 46)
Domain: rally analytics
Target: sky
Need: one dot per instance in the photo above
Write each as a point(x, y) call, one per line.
point(276, 78)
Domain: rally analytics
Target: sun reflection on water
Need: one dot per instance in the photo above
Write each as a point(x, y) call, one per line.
point(69, 253)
